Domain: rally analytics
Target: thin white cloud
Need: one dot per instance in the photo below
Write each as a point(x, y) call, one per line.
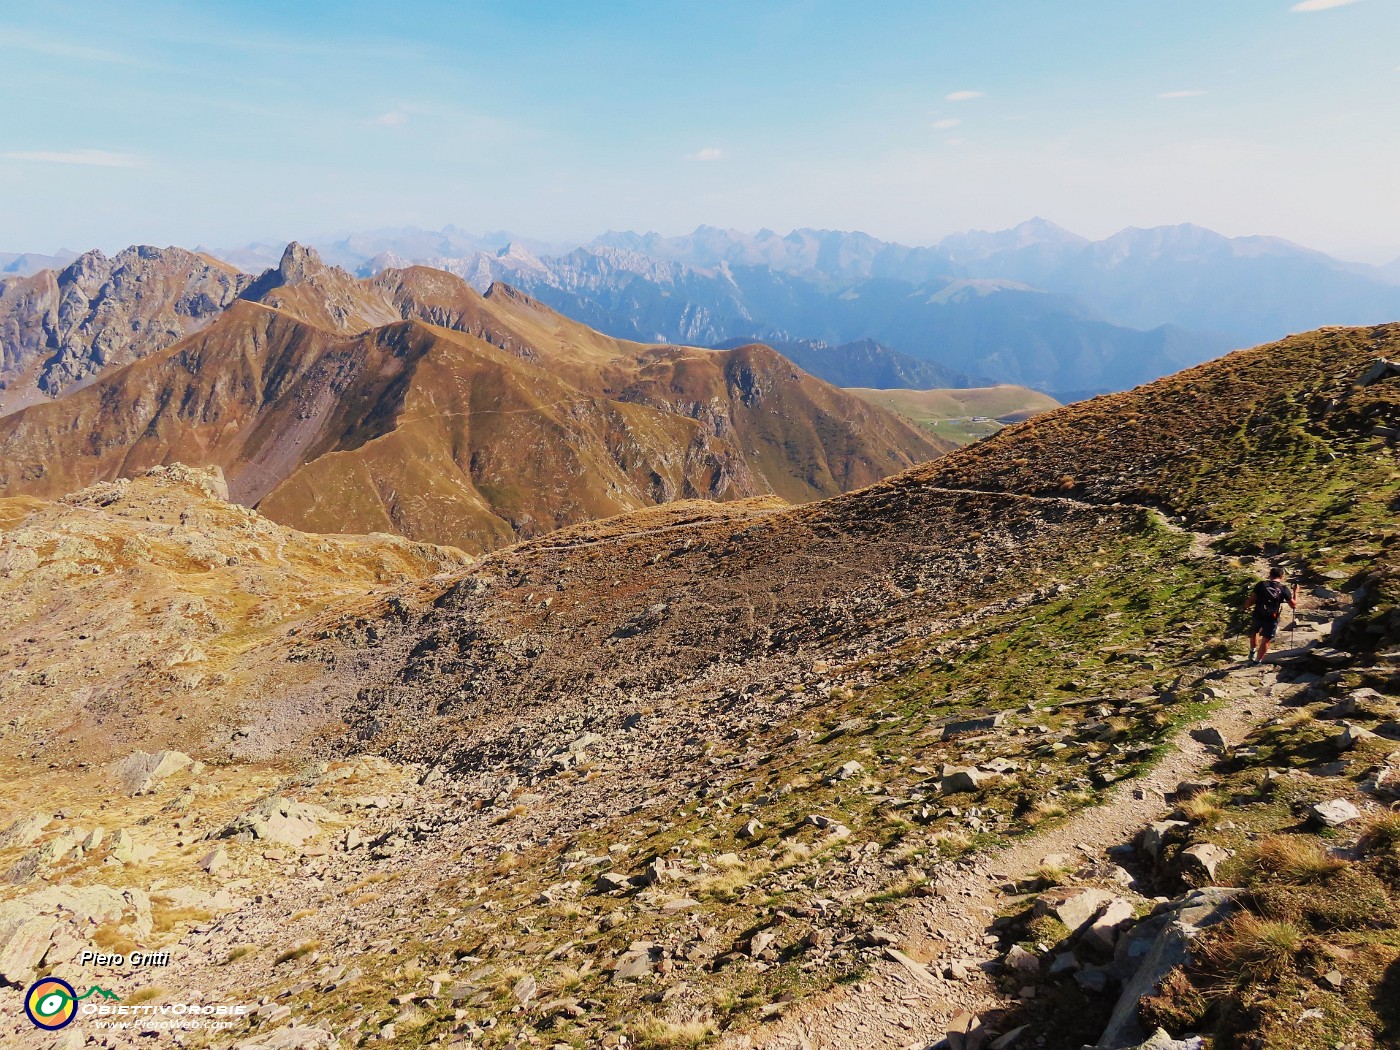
point(1321, 5)
point(91, 158)
point(708, 153)
point(1181, 94)
point(964, 96)
point(944, 125)
point(393, 119)
point(41, 45)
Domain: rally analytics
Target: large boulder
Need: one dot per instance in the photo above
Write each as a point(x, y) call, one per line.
point(140, 773)
point(1198, 862)
point(957, 779)
point(1076, 907)
point(1152, 949)
point(32, 925)
point(279, 821)
point(1335, 812)
point(1154, 836)
point(1102, 933)
point(24, 830)
point(1161, 1039)
point(24, 940)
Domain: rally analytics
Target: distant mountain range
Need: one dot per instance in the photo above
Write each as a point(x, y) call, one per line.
point(24, 264)
point(407, 402)
point(1035, 305)
point(863, 362)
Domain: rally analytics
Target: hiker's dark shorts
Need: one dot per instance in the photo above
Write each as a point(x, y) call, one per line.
point(1266, 625)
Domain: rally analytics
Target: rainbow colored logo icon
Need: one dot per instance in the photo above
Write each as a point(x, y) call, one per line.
point(51, 1003)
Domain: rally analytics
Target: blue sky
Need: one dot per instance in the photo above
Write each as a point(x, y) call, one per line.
point(219, 124)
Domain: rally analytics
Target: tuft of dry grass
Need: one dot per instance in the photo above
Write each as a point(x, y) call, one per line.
point(1203, 808)
point(796, 853)
point(305, 948)
point(1042, 811)
point(1249, 949)
point(1381, 840)
point(111, 938)
point(655, 1033)
point(369, 880)
point(165, 918)
point(1053, 874)
point(1292, 859)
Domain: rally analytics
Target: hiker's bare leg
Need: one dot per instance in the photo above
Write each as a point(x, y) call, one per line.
point(1263, 649)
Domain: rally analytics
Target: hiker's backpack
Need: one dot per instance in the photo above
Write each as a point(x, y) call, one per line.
point(1269, 596)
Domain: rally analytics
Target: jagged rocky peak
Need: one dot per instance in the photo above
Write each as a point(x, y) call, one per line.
point(86, 272)
point(501, 290)
point(62, 330)
point(299, 263)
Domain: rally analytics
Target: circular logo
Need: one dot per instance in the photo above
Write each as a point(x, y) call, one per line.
point(51, 1003)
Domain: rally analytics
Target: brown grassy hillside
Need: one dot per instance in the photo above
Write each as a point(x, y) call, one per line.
point(511, 423)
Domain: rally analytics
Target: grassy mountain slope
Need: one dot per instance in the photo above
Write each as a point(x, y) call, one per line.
point(511, 422)
point(1281, 445)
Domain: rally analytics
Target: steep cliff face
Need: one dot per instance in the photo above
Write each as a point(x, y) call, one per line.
point(60, 329)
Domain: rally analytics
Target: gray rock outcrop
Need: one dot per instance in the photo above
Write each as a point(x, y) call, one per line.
point(1152, 949)
point(62, 328)
point(140, 773)
point(278, 821)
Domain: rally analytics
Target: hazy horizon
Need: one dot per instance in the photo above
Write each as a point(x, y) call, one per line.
point(563, 245)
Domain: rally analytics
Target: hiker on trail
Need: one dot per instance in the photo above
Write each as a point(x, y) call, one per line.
point(1267, 600)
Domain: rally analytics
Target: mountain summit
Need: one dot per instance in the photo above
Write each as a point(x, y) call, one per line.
point(60, 329)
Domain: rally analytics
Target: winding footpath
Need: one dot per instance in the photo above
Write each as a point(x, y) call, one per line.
point(902, 1006)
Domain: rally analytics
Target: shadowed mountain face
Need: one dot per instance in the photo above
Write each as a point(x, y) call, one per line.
point(412, 404)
